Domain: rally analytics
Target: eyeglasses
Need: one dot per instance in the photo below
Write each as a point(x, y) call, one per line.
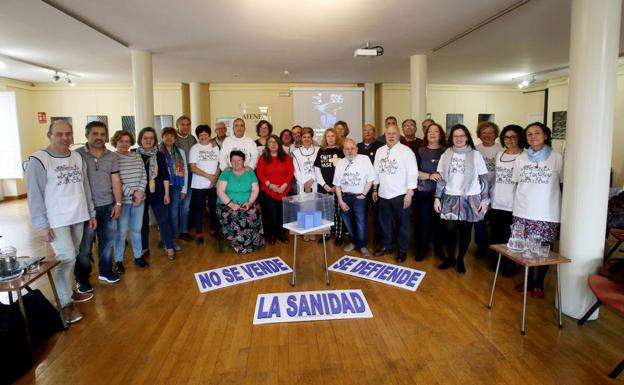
point(510, 137)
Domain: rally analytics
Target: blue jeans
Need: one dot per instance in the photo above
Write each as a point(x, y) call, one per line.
point(131, 216)
point(174, 208)
point(161, 212)
point(106, 233)
point(389, 210)
point(355, 219)
point(185, 206)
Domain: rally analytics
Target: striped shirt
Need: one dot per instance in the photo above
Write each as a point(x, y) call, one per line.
point(132, 174)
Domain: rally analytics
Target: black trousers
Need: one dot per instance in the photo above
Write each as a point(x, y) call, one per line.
point(199, 208)
point(428, 222)
point(271, 215)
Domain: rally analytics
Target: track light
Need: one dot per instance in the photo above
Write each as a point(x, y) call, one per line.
point(69, 81)
point(56, 78)
point(526, 82)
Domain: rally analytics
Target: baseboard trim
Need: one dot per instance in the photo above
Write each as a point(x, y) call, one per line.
point(13, 197)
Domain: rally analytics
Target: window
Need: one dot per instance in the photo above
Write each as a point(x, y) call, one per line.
point(10, 151)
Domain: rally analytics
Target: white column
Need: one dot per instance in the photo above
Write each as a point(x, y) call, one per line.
point(369, 103)
point(143, 89)
point(418, 87)
point(195, 96)
point(591, 94)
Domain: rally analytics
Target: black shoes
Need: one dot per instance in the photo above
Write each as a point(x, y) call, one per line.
point(140, 262)
point(461, 268)
point(283, 238)
point(338, 241)
point(382, 251)
point(447, 264)
point(185, 237)
point(119, 268)
point(401, 256)
point(199, 241)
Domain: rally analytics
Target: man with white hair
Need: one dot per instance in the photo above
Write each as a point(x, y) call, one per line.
point(397, 173)
point(353, 178)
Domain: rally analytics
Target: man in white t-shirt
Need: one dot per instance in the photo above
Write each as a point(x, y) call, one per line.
point(353, 178)
point(238, 142)
point(59, 202)
point(397, 173)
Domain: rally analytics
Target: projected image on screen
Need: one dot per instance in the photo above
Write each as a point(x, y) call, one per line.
point(322, 108)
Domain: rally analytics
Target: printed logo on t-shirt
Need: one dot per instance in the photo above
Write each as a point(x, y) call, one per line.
point(207, 156)
point(490, 164)
point(328, 160)
point(244, 151)
point(308, 166)
point(67, 174)
point(504, 175)
point(351, 178)
point(458, 165)
point(536, 174)
point(388, 166)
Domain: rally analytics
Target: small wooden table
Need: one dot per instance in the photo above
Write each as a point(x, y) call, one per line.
point(516, 256)
point(26, 279)
point(321, 230)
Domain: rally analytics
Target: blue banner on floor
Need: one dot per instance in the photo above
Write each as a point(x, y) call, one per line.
point(311, 306)
point(243, 272)
point(387, 273)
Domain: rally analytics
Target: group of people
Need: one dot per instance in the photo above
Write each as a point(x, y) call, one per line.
point(441, 184)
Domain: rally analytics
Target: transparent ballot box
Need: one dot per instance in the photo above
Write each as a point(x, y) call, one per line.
point(308, 211)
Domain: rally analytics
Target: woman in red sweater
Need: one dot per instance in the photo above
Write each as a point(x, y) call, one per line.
point(275, 172)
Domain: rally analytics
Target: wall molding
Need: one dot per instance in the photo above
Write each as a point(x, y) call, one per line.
point(273, 86)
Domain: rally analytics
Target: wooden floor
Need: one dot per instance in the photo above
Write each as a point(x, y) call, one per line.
point(154, 327)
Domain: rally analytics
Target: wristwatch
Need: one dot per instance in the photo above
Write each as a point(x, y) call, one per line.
point(118, 204)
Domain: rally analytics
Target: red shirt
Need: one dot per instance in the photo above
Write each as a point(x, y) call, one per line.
point(412, 144)
point(276, 173)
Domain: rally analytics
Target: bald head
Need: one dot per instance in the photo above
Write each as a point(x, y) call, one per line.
point(392, 135)
point(61, 136)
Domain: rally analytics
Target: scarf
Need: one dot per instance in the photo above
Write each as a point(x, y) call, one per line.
point(540, 155)
point(176, 165)
point(152, 166)
point(469, 171)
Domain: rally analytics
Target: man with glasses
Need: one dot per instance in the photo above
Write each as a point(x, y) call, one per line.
point(397, 173)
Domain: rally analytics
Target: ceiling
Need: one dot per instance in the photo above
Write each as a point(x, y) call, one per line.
point(255, 41)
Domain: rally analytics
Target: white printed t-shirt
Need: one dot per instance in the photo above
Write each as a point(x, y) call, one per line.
point(353, 175)
point(303, 163)
point(538, 195)
point(457, 169)
point(244, 144)
point(206, 157)
point(503, 191)
point(397, 170)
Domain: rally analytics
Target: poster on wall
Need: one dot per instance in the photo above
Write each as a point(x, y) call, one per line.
point(252, 114)
point(453, 119)
point(229, 123)
point(559, 124)
point(127, 123)
point(97, 118)
point(162, 121)
point(486, 118)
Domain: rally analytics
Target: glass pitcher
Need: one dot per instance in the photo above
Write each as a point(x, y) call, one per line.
point(516, 240)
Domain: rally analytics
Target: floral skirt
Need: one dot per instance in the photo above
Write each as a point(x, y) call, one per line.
point(548, 231)
point(461, 208)
point(243, 228)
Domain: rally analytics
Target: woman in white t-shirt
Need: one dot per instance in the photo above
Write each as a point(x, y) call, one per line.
point(204, 162)
point(538, 173)
point(461, 195)
point(503, 190)
point(487, 133)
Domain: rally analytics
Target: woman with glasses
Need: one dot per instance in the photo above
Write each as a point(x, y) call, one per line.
point(462, 195)
point(502, 193)
point(538, 173)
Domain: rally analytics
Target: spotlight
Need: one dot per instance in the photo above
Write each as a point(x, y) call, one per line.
point(56, 78)
point(70, 82)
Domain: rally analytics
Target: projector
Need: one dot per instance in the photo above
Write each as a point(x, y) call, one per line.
point(365, 52)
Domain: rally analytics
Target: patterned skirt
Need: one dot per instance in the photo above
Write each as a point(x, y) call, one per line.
point(243, 228)
point(548, 231)
point(461, 208)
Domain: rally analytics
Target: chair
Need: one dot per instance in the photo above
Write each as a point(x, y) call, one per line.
point(618, 234)
point(608, 293)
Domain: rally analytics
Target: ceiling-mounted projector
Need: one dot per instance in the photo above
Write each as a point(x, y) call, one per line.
point(368, 51)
